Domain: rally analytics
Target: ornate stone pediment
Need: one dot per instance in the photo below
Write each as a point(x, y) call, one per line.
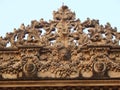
point(63, 48)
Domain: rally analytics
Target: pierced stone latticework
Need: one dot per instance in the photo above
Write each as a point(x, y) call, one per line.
point(63, 48)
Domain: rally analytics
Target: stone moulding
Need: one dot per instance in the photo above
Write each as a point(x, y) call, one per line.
point(64, 51)
point(60, 83)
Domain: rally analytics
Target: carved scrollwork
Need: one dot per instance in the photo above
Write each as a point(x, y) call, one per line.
point(65, 29)
point(10, 66)
point(63, 48)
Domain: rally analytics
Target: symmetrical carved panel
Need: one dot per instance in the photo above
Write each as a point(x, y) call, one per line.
point(63, 48)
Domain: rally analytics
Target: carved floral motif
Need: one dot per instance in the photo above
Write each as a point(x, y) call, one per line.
point(64, 48)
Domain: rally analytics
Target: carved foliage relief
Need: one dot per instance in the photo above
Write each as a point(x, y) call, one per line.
point(63, 48)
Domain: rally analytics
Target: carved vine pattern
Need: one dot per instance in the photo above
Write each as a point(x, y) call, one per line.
point(62, 42)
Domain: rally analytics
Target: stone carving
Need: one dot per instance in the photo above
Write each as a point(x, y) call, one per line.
point(10, 66)
point(3, 42)
point(63, 48)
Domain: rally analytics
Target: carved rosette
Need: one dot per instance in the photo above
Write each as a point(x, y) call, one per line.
point(63, 48)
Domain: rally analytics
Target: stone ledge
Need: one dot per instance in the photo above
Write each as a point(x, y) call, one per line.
point(59, 83)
